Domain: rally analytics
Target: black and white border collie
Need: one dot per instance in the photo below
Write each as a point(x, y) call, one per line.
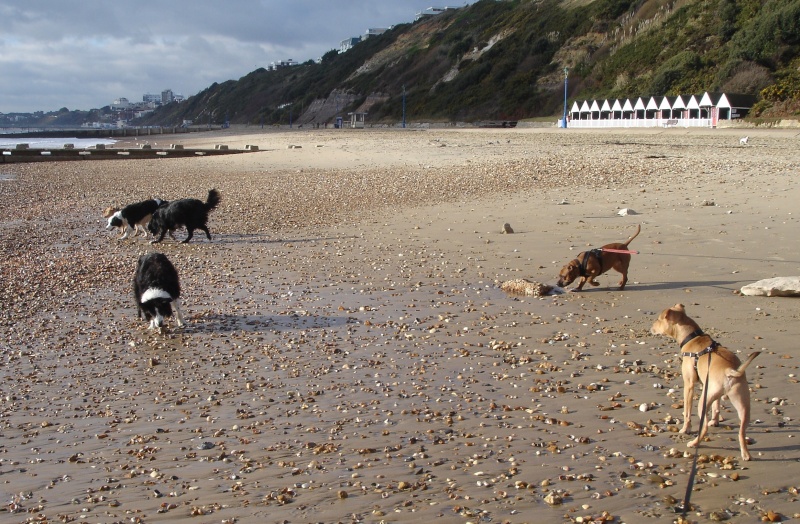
point(134, 216)
point(157, 289)
point(188, 212)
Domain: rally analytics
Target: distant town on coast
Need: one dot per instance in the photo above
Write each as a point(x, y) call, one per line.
point(119, 113)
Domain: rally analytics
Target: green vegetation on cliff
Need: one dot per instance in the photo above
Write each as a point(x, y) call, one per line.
point(505, 60)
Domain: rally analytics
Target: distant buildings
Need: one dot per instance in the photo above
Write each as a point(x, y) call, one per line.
point(274, 66)
point(432, 11)
point(124, 110)
point(120, 103)
point(374, 31)
point(348, 43)
point(151, 99)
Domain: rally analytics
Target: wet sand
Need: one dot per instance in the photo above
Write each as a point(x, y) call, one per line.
point(350, 356)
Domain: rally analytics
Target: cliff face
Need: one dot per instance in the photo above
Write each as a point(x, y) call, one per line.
point(506, 61)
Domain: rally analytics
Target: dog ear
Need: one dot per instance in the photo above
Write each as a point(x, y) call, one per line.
point(674, 313)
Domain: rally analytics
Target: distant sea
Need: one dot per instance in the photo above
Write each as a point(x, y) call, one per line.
point(53, 143)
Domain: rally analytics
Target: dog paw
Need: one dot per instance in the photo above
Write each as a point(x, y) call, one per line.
point(595, 284)
point(692, 444)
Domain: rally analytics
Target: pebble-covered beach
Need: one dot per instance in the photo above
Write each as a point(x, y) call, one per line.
point(350, 356)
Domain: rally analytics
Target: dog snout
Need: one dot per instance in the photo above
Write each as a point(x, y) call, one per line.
point(658, 327)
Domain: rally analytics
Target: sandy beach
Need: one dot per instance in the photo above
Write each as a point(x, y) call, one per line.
point(349, 355)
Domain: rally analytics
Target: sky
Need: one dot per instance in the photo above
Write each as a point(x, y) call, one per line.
point(84, 54)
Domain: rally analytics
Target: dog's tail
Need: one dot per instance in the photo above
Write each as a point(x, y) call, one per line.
point(738, 372)
point(213, 199)
point(638, 229)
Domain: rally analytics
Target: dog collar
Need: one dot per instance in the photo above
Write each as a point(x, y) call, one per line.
point(694, 334)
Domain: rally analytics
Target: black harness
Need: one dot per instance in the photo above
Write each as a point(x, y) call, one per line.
point(597, 253)
point(696, 356)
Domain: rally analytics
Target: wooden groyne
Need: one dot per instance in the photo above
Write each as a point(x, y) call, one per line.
point(23, 153)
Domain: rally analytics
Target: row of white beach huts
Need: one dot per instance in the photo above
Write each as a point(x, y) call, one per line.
point(705, 110)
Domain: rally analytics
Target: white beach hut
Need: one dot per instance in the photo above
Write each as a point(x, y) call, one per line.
point(605, 110)
point(627, 109)
point(651, 109)
point(586, 111)
point(575, 111)
point(616, 109)
point(640, 108)
point(595, 108)
point(679, 108)
point(693, 108)
point(665, 107)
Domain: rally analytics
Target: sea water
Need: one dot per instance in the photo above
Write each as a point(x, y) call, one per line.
point(53, 143)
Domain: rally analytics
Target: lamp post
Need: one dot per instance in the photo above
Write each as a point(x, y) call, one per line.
point(566, 75)
point(336, 125)
point(404, 106)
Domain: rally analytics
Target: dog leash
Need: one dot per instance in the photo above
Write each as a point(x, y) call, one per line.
point(624, 251)
point(687, 496)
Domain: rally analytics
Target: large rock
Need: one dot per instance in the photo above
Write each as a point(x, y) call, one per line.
point(774, 287)
point(521, 286)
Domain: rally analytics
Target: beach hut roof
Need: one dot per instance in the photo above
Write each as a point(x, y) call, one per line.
point(595, 107)
point(616, 106)
point(585, 107)
point(666, 102)
point(606, 106)
point(720, 100)
point(627, 106)
point(678, 102)
point(654, 102)
point(740, 101)
point(575, 107)
point(705, 100)
point(639, 104)
point(692, 103)
point(730, 100)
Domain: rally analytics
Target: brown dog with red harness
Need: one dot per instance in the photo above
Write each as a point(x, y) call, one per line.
point(725, 374)
point(590, 264)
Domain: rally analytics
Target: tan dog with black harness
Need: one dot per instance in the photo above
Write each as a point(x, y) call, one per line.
point(590, 264)
point(725, 375)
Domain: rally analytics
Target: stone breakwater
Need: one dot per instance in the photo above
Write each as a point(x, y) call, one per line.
point(349, 356)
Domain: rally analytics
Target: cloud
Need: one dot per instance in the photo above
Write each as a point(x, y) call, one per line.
point(83, 55)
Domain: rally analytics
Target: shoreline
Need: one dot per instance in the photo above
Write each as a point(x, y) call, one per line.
point(349, 355)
